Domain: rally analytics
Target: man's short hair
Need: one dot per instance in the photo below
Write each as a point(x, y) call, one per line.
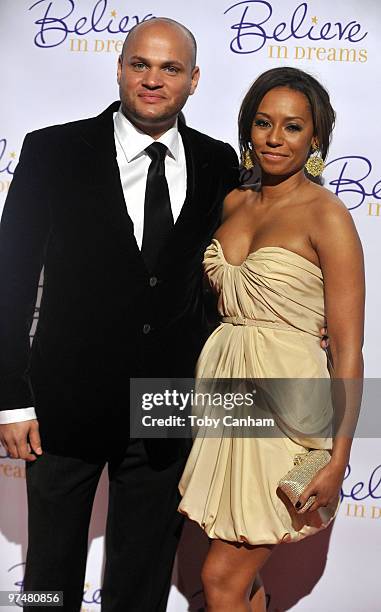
point(172, 22)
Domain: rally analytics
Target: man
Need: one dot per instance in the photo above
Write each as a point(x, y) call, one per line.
point(120, 225)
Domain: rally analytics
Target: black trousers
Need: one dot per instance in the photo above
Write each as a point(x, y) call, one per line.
point(143, 528)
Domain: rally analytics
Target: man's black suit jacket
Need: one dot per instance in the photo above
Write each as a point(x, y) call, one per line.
point(102, 319)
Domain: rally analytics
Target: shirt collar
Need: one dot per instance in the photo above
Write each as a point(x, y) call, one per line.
point(134, 141)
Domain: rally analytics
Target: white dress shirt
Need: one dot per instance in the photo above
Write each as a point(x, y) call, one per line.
point(133, 164)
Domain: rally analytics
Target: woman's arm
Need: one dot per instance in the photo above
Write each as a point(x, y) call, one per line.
point(341, 258)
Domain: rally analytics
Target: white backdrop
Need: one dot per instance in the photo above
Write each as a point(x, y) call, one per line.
point(59, 64)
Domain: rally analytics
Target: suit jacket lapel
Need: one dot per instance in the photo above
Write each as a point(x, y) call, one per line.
point(99, 136)
point(197, 177)
point(196, 199)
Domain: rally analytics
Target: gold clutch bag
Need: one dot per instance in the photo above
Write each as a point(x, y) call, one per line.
point(297, 480)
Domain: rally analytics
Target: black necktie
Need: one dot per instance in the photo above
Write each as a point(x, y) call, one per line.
point(158, 218)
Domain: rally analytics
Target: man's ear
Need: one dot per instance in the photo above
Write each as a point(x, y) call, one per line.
point(119, 69)
point(195, 79)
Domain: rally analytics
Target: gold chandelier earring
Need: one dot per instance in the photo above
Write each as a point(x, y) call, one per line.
point(246, 159)
point(315, 164)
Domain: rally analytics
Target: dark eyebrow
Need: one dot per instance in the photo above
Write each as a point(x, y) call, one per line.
point(286, 118)
point(175, 63)
point(139, 58)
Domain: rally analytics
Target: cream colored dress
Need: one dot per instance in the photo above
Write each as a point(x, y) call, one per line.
point(274, 303)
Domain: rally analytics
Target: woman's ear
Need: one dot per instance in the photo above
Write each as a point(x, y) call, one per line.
point(315, 143)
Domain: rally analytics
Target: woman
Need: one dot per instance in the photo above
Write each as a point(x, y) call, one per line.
point(285, 260)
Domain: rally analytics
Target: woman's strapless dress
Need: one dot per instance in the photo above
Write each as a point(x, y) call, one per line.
point(229, 485)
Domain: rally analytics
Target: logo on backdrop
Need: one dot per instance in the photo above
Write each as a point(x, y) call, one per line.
point(8, 161)
point(256, 28)
point(10, 468)
point(359, 498)
point(352, 179)
point(57, 20)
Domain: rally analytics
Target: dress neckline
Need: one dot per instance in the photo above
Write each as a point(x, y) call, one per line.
point(264, 248)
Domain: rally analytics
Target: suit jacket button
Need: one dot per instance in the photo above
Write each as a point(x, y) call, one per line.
point(146, 328)
point(153, 281)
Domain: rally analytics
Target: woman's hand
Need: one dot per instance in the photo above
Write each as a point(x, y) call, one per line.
point(324, 338)
point(326, 486)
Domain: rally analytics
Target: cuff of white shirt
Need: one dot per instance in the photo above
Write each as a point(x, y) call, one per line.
point(17, 416)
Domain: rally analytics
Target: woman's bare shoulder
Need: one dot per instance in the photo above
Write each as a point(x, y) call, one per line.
point(325, 205)
point(331, 220)
point(234, 200)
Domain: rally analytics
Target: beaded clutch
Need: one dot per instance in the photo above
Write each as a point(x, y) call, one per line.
point(297, 480)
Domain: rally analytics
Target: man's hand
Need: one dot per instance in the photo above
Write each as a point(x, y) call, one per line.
point(20, 439)
point(324, 338)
